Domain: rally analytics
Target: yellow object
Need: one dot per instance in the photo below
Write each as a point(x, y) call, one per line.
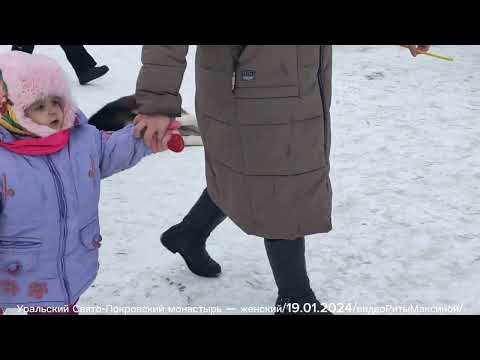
point(8, 120)
point(432, 54)
point(435, 55)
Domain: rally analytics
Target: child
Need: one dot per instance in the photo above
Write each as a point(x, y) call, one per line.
point(51, 164)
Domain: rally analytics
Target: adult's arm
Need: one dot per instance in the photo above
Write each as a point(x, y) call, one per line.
point(160, 78)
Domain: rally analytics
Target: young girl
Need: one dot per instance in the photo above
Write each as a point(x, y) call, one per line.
point(51, 164)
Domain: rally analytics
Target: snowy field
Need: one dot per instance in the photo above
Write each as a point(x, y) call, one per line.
point(406, 180)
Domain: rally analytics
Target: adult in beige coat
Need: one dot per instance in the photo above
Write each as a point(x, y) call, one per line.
point(266, 135)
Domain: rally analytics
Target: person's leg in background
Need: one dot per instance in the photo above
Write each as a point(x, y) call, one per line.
point(83, 63)
point(24, 48)
point(287, 260)
point(79, 57)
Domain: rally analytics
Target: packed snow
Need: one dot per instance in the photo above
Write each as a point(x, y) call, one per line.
point(406, 179)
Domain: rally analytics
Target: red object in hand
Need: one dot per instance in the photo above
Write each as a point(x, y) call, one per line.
point(176, 143)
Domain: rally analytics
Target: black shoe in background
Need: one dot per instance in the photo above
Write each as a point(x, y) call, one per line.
point(91, 74)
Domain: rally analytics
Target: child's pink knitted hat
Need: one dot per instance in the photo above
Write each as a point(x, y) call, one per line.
point(30, 78)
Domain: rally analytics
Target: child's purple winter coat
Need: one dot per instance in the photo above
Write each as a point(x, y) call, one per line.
point(49, 227)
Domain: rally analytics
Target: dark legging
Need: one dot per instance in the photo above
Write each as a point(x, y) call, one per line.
point(287, 260)
point(77, 55)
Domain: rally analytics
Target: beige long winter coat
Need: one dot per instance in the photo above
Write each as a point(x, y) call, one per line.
point(266, 133)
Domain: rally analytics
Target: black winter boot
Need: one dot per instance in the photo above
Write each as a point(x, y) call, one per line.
point(92, 73)
point(287, 260)
point(188, 237)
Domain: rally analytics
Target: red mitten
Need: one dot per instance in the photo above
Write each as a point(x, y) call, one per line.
point(176, 143)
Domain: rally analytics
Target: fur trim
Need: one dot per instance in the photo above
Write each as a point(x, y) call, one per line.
point(30, 78)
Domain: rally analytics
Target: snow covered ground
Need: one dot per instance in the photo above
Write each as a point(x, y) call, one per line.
point(406, 180)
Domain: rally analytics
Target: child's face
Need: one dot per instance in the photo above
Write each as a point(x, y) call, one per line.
point(47, 112)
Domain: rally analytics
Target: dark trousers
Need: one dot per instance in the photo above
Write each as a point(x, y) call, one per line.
point(77, 55)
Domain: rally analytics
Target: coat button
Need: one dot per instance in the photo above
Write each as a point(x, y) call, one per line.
point(97, 243)
point(14, 268)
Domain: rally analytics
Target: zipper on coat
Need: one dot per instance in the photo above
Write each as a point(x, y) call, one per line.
point(236, 62)
point(62, 204)
point(320, 78)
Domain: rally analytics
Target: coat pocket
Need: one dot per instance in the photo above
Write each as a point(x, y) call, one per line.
point(18, 255)
point(90, 235)
point(267, 71)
